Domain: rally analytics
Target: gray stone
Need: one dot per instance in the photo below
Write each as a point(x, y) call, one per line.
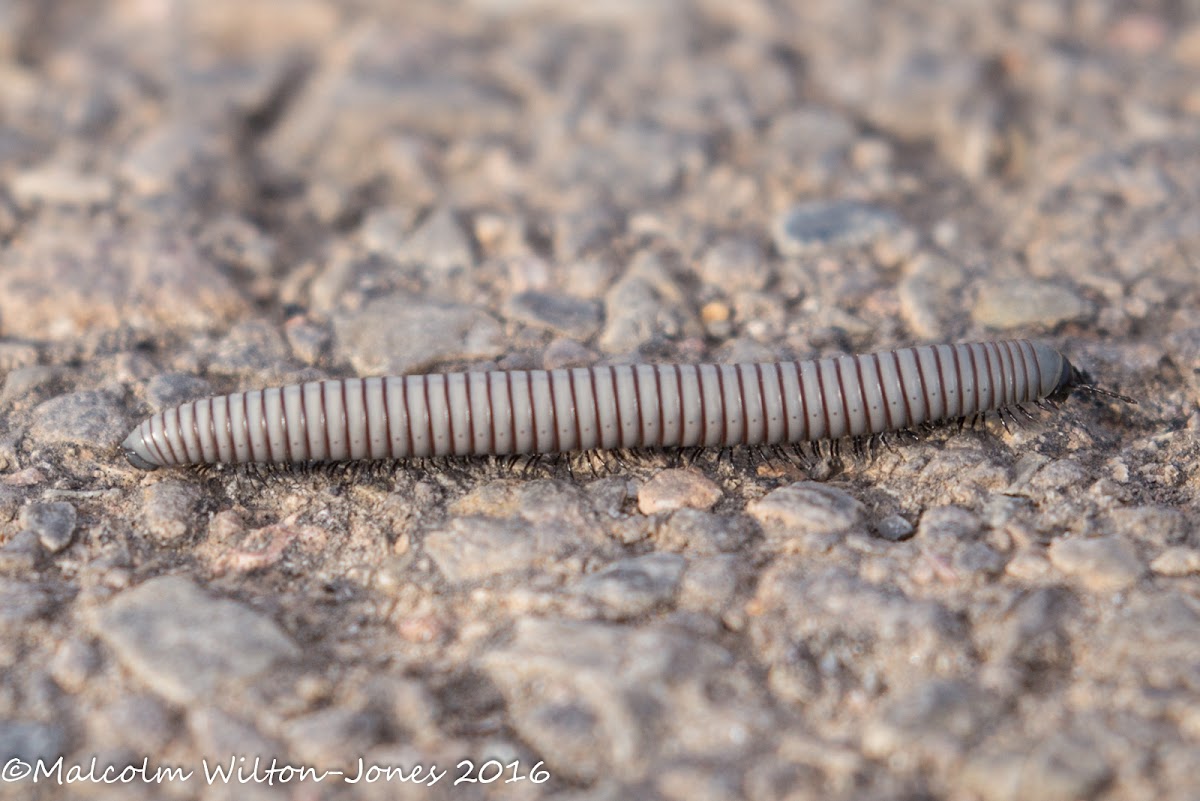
point(53, 523)
point(634, 586)
point(710, 585)
point(806, 516)
point(669, 490)
point(473, 548)
point(59, 282)
point(440, 247)
point(894, 528)
point(1157, 526)
point(978, 558)
point(22, 553)
point(35, 380)
point(87, 418)
point(939, 719)
point(811, 134)
point(1177, 561)
point(218, 732)
point(177, 159)
point(167, 390)
point(562, 314)
point(928, 295)
point(334, 737)
point(395, 335)
point(169, 508)
point(1020, 304)
point(1184, 349)
point(1103, 564)
point(309, 342)
point(138, 722)
point(567, 353)
point(57, 185)
point(515, 526)
point(579, 231)
point(946, 526)
point(30, 740)
point(1064, 767)
point(594, 698)
point(697, 531)
point(75, 663)
point(814, 227)
point(839, 616)
point(1033, 638)
point(14, 355)
point(239, 243)
point(186, 645)
point(11, 497)
point(253, 346)
point(22, 602)
point(735, 264)
point(647, 302)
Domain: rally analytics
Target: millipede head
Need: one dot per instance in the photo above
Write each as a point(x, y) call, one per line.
point(136, 451)
point(1074, 379)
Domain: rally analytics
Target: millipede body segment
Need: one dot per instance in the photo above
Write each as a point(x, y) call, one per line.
point(621, 406)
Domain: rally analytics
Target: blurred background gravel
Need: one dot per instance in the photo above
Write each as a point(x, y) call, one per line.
point(198, 197)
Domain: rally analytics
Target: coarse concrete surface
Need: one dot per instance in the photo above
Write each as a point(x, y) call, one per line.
point(201, 197)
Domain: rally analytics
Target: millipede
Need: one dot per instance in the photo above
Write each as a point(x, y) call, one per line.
point(513, 412)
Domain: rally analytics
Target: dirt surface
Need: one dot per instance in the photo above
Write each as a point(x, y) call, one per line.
point(230, 194)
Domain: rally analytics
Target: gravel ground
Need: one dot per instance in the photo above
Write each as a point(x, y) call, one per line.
point(219, 195)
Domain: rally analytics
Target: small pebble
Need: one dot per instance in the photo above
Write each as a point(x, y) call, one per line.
point(676, 489)
point(810, 228)
point(252, 346)
point(185, 644)
point(28, 741)
point(632, 587)
point(1028, 565)
point(308, 341)
point(397, 335)
point(74, 664)
point(168, 508)
point(735, 264)
point(59, 186)
point(1022, 304)
point(562, 314)
point(938, 718)
point(701, 532)
point(1103, 564)
point(23, 553)
point(440, 247)
point(22, 602)
point(138, 721)
point(172, 389)
point(567, 353)
point(710, 584)
point(334, 735)
point(239, 243)
point(17, 354)
point(385, 230)
point(473, 548)
point(807, 509)
point(894, 528)
point(87, 418)
point(1177, 561)
point(53, 523)
point(1065, 767)
point(35, 380)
